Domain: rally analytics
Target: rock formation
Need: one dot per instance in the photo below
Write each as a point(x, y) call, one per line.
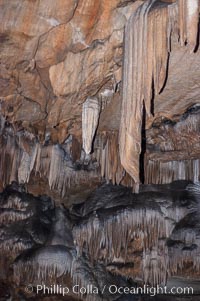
point(100, 242)
point(99, 145)
point(53, 63)
point(146, 56)
point(90, 118)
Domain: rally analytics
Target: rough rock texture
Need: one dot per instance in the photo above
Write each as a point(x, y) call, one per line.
point(114, 238)
point(55, 57)
point(57, 54)
point(173, 148)
point(95, 91)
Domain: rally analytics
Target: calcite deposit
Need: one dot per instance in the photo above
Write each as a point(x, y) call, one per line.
point(113, 238)
point(99, 145)
point(55, 56)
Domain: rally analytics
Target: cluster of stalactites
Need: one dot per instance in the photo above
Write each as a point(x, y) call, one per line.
point(108, 238)
point(22, 156)
point(107, 156)
point(158, 172)
point(52, 162)
point(190, 253)
point(173, 152)
point(147, 47)
point(115, 238)
point(13, 210)
point(155, 266)
point(183, 136)
point(46, 263)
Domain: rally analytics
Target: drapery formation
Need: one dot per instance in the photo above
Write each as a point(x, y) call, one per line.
point(147, 46)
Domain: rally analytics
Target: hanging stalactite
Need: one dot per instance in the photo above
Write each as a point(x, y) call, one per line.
point(52, 161)
point(90, 118)
point(147, 47)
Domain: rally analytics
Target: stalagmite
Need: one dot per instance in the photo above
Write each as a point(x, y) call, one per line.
point(90, 117)
point(147, 46)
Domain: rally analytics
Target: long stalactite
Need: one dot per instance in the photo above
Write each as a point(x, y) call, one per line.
point(148, 36)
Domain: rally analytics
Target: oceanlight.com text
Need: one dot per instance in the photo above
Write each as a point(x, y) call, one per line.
point(89, 289)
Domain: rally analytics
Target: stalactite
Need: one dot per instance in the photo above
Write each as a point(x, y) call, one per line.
point(158, 172)
point(18, 215)
point(147, 47)
point(106, 97)
point(96, 275)
point(150, 236)
point(194, 188)
point(180, 258)
point(109, 234)
point(107, 155)
point(101, 240)
point(186, 252)
point(24, 168)
point(14, 202)
point(188, 22)
point(166, 172)
point(54, 162)
point(43, 263)
point(155, 266)
point(180, 136)
point(90, 118)
point(83, 274)
point(184, 247)
point(61, 229)
point(99, 233)
point(173, 149)
point(12, 248)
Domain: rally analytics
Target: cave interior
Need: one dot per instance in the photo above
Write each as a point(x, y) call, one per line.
point(99, 149)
